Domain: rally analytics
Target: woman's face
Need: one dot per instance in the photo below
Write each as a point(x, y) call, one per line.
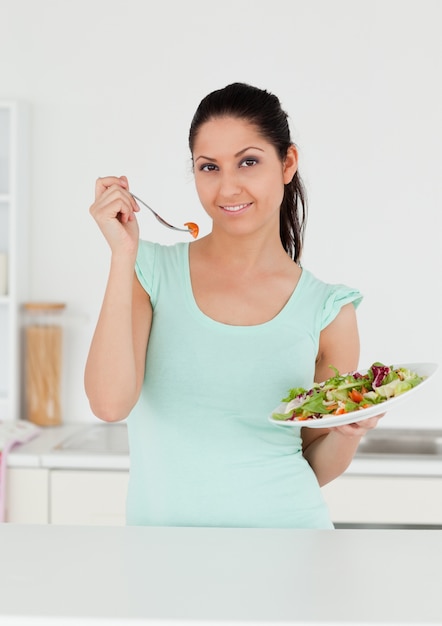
point(239, 176)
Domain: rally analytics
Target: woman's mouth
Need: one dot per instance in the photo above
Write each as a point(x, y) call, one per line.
point(235, 208)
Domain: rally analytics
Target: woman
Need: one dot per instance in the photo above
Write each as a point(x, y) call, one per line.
point(198, 342)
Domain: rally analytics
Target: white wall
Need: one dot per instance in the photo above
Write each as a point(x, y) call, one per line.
point(113, 85)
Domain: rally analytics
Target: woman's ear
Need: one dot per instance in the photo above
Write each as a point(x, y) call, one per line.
point(290, 164)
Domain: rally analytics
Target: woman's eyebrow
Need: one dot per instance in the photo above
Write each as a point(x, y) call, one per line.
point(201, 156)
point(206, 158)
point(248, 148)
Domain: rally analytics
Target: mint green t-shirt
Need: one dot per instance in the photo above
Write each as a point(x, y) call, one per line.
point(202, 451)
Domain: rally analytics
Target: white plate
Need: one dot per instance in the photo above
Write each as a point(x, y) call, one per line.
point(422, 369)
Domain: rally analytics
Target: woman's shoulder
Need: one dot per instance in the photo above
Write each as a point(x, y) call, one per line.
point(331, 297)
point(147, 244)
point(156, 261)
point(313, 283)
point(148, 250)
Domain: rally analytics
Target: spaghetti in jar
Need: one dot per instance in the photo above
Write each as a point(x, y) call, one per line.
point(43, 362)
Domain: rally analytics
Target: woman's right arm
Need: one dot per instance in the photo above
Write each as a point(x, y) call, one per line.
point(115, 366)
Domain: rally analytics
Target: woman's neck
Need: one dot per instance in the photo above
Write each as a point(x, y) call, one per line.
point(244, 252)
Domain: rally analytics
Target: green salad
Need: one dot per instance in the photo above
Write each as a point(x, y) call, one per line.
point(345, 393)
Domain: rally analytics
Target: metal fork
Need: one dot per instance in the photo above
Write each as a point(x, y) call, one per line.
point(192, 228)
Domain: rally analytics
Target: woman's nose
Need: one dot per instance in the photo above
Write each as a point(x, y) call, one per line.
point(229, 184)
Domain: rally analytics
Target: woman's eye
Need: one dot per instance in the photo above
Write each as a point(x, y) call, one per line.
point(249, 162)
point(208, 167)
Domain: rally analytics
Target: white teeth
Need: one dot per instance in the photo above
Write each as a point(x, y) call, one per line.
point(237, 207)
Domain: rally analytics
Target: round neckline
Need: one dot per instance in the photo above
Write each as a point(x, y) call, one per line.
point(209, 320)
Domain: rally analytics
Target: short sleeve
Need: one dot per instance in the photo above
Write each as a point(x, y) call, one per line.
point(338, 296)
point(145, 266)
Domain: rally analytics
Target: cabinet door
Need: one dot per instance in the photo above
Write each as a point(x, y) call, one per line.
point(88, 497)
point(27, 496)
point(385, 499)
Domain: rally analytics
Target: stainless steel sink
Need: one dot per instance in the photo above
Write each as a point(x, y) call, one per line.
point(407, 442)
point(99, 439)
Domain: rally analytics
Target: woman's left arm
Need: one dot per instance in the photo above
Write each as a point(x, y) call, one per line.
point(329, 451)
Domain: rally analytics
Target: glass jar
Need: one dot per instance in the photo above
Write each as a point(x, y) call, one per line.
point(43, 362)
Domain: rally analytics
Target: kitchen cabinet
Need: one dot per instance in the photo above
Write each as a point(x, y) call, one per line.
point(88, 497)
point(27, 495)
point(98, 497)
point(13, 249)
point(398, 500)
point(69, 474)
point(78, 474)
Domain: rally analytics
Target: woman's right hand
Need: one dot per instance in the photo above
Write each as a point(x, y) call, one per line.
point(114, 211)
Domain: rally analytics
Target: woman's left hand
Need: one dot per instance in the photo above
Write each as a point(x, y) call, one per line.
point(332, 450)
point(359, 429)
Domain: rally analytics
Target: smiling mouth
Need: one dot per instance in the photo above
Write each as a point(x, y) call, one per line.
point(234, 208)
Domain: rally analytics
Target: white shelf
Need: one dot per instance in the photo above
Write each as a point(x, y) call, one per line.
point(14, 178)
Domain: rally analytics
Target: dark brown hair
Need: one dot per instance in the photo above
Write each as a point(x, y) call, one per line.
point(264, 110)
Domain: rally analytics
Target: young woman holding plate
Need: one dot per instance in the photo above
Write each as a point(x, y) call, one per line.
point(197, 342)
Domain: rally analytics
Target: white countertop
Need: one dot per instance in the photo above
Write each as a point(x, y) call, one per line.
point(44, 451)
point(195, 576)
point(394, 466)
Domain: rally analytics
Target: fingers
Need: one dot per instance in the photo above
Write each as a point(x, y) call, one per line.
point(359, 428)
point(113, 199)
point(114, 211)
point(114, 203)
point(370, 423)
point(105, 182)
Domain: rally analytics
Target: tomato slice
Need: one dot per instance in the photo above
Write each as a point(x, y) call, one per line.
point(194, 229)
point(339, 411)
point(356, 396)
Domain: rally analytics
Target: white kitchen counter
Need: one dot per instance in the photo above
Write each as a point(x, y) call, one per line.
point(195, 576)
point(30, 454)
point(394, 466)
point(44, 451)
